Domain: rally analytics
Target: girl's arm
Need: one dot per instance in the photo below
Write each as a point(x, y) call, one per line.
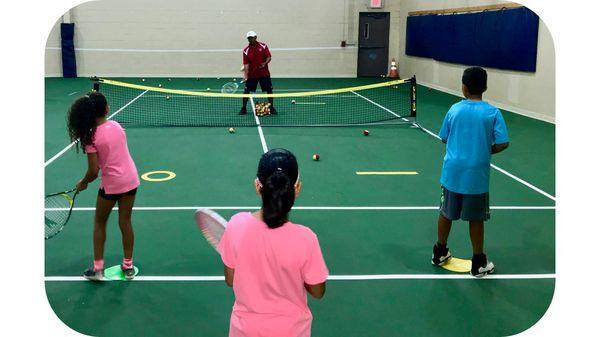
point(91, 174)
point(229, 275)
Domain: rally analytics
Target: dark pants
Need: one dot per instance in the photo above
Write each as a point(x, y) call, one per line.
point(265, 86)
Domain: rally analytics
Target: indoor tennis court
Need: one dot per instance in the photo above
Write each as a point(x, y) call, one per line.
point(372, 200)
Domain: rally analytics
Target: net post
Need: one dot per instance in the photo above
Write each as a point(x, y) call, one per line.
point(96, 83)
point(413, 97)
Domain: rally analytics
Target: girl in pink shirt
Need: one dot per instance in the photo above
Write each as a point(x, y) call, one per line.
point(270, 262)
point(105, 143)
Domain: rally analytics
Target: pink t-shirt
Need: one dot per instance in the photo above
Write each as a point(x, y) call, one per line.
point(271, 267)
point(119, 174)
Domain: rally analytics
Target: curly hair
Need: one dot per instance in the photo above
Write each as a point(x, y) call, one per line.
point(82, 117)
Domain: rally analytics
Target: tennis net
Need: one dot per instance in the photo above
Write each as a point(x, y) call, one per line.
point(133, 105)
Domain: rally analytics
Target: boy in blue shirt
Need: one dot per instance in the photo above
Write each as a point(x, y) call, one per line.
point(472, 130)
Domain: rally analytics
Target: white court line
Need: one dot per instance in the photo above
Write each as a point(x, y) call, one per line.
point(510, 175)
point(73, 93)
point(303, 208)
point(61, 152)
point(330, 278)
point(237, 50)
point(260, 131)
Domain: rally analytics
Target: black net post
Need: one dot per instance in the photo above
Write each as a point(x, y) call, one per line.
point(96, 83)
point(413, 97)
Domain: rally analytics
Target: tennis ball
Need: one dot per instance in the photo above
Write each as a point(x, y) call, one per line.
point(316, 157)
point(207, 89)
point(168, 97)
point(231, 130)
point(366, 132)
point(143, 80)
point(293, 101)
point(169, 80)
point(160, 85)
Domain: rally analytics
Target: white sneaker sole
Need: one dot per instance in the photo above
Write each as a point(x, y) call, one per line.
point(442, 261)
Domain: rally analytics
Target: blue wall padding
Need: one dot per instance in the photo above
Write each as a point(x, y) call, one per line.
point(502, 39)
point(67, 32)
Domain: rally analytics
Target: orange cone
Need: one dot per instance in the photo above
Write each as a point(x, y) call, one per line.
point(393, 70)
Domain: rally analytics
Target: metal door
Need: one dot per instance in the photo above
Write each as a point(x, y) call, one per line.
point(373, 43)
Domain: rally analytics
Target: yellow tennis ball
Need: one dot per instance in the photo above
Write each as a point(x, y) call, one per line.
point(231, 130)
point(293, 101)
point(207, 89)
point(168, 97)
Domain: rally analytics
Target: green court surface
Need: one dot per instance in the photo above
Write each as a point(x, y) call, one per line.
point(376, 232)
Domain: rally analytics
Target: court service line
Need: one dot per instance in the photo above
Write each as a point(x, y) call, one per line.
point(260, 130)
point(331, 277)
point(302, 208)
point(508, 174)
point(61, 152)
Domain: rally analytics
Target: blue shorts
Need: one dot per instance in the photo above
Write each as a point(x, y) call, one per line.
point(468, 207)
point(265, 84)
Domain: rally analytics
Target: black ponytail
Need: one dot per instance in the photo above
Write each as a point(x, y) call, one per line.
point(278, 195)
point(81, 119)
point(277, 174)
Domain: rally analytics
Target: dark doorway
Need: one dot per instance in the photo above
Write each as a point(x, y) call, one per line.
point(373, 43)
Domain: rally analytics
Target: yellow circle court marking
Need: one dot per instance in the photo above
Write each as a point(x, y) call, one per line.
point(168, 175)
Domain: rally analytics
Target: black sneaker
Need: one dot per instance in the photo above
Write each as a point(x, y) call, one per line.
point(92, 275)
point(440, 255)
point(243, 111)
point(481, 266)
point(273, 111)
point(128, 272)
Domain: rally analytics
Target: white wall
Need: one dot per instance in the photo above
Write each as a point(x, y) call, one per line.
point(530, 94)
point(209, 36)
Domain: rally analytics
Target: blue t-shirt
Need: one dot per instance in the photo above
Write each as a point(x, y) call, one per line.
point(469, 130)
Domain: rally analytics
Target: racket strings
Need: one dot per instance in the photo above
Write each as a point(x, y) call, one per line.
point(229, 88)
point(57, 213)
point(211, 225)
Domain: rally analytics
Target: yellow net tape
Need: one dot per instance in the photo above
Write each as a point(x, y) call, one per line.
point(218, 94)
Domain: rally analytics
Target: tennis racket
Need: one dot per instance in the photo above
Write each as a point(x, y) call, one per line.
point(211, 224)
point(230, 87)
point(58, 208)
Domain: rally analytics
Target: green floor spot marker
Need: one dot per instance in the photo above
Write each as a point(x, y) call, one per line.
point(115, 273)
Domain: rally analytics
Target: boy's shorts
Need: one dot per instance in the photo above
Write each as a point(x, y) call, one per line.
point(468, 207)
